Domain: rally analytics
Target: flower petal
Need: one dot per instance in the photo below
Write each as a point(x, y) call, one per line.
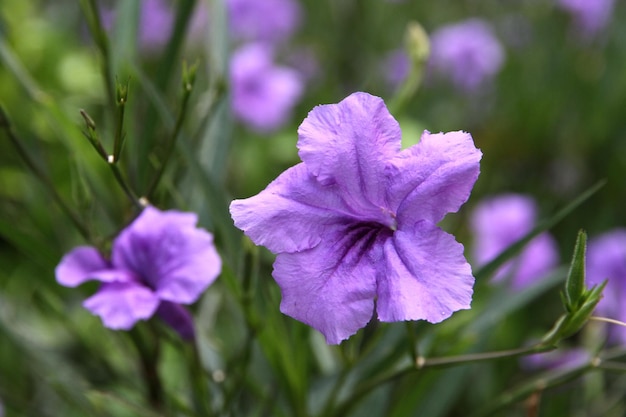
point(185, 271)
point(426, 276)
point(178, 318)
point(349, 144)
point(292, 214)
point(121, 305)
point(433, 177)
point(332, 286)
point(85, 263)
point(172, 257)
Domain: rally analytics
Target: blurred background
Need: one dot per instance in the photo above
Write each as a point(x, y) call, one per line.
point(540, 85)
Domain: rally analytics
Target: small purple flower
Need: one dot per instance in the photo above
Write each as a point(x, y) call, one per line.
point(354, 226)
point(500, 221)
point(263, 20)
point(156, 22)
point(396, 67)
point(467, 52)
point(606, 259)
point(158, 262)
point(590, 16)
point(263, 94)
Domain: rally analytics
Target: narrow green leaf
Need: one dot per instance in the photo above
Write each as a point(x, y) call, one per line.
point(575, 283)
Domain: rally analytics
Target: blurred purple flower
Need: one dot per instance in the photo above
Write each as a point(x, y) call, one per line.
point(263, 94)
point(158, 262)
point(556, 359)
point(590, 16)
point(354, 226)
point(156, 22)
point(263, 20)
point(467, 52)
point(304, 60)
point(500, 221)
point(606, 259)
point(396, 67)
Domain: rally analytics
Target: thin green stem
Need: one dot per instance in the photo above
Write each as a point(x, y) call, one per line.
point(172, 141)
point(117, 173)
point(200, 388)
point(422, 363)
point(478, 357)
point(334, 393)
point(121, 98)
point(164, 75)
point(553, 379)
point(92, 135)
point(607, 320)
point(92, 12)
point(612, 366)
point(412, 340)
point(5, 125)
point(149, 357)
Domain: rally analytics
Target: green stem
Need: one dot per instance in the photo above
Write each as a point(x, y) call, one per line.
point(412, 340)
point(122, 97)
point(199, 384)
point(149, 357)
point(172, 141)
point(5, 125)
point(612, 366)
point(122, 182)
point(478, 357)
point(92, 12)
point(164, 75)
point(607, 320)
point(334, 393)
point(552, 380)
point(422, 363)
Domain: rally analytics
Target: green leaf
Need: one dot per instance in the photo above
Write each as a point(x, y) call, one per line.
point(575, 283)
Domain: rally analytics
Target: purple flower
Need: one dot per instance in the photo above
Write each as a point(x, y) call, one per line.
point(467, 52)
point(590, 16)
point(156, 22)
point(500, 221)
point(354, 226)
point(556, 359)
point(396, 67)
point(263, 94)
point(158, 262)
point(606, 259)
point(263, 20)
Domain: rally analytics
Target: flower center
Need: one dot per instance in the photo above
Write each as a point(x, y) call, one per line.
point(390, 217)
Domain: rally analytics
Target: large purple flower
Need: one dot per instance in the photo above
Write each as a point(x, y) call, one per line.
point(158, 262)
point(263, 20)
point(499, 222)
point(606, 259)
point(263, 93)
point(467, 52)
point(355, 224)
